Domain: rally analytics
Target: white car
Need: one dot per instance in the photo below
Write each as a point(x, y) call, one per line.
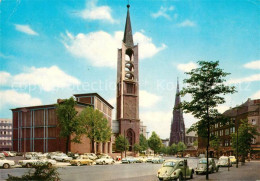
point(61, 157)
point(2, 155)
point(105, 160)
point(29, 163)
point(29, 155)
point(6, 163)
point(10, 153)
point(91, 156)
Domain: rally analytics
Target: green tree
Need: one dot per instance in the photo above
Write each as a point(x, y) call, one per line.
point(96, 126)
point(143, 143)
point(122, 144)
point(215, 144)
point(155, 142)
point(164, 149)
point(206, 87)
point(181, 147)
point(246, 132)
point(137, 148)
point(195, 143)
point(173, 149)
point(68, 122)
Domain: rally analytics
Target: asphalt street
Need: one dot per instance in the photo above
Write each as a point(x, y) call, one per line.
point(140, 172)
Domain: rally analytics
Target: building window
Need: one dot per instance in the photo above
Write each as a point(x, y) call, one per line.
point(226, 131)
point(226, 142)
point(253, 141)
point(253, 121)
point(221, 133)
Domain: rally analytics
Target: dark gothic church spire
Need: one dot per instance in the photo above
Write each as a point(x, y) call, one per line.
point(128, 37)
point(177, 126)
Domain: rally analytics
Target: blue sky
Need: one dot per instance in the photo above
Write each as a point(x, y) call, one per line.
point(53, 49)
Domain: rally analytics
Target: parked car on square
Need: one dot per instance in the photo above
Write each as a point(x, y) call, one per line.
point(10, 154)
point(73, 155)
point(2, 155)
point(4, 163)
point(91, 156)
point(129, 160)
point(149, 159)
point(141, 159)
point(232, 159)
point(34, 160)
point(29, 155)
point(223, 162)
point(174, 169)
point(202, 166)
point(61, 157)
point(105, 160)
point(82, 160)
point(158, 160)
point(5, 153)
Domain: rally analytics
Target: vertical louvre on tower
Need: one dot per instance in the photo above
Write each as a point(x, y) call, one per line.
point(128, 86)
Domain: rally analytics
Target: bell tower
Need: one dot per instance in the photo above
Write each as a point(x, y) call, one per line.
point(127, 105)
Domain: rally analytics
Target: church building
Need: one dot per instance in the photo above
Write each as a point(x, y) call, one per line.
point(177, 126)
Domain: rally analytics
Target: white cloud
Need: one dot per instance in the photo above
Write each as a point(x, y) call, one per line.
point(187, 67)
point(222, 108)
point(46, 78)
point(100, 48)
point(158, 121)
point(253, 65)
point(25, 29)
point(4, 78)
point(163, 12)
point(147, 99)
point(251, 78)
point(256, 95)
point(13, 98)
point(93, 12)
point(187, 23)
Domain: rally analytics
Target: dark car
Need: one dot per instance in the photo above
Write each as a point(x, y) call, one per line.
point(202, 166)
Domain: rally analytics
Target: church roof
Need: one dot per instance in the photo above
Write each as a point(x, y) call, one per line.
point(128, 37)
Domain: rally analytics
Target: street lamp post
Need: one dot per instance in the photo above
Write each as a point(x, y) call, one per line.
point(237, 143)
point(125, 143)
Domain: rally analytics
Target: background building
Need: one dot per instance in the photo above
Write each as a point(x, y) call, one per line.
point(6, 131)
point(36, 128)
point(177, 127)
point(190, 137)
point(143, 130)
point(165, 142)
point(250, 111)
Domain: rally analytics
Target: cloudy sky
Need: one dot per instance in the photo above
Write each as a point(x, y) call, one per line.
point(53, 49)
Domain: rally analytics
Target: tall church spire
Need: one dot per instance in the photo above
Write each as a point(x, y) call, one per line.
point(177, 96)
point(128, 37)
point(177, 126)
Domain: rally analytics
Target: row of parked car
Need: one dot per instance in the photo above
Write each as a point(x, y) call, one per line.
point(143, 159)
point(179, 169)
